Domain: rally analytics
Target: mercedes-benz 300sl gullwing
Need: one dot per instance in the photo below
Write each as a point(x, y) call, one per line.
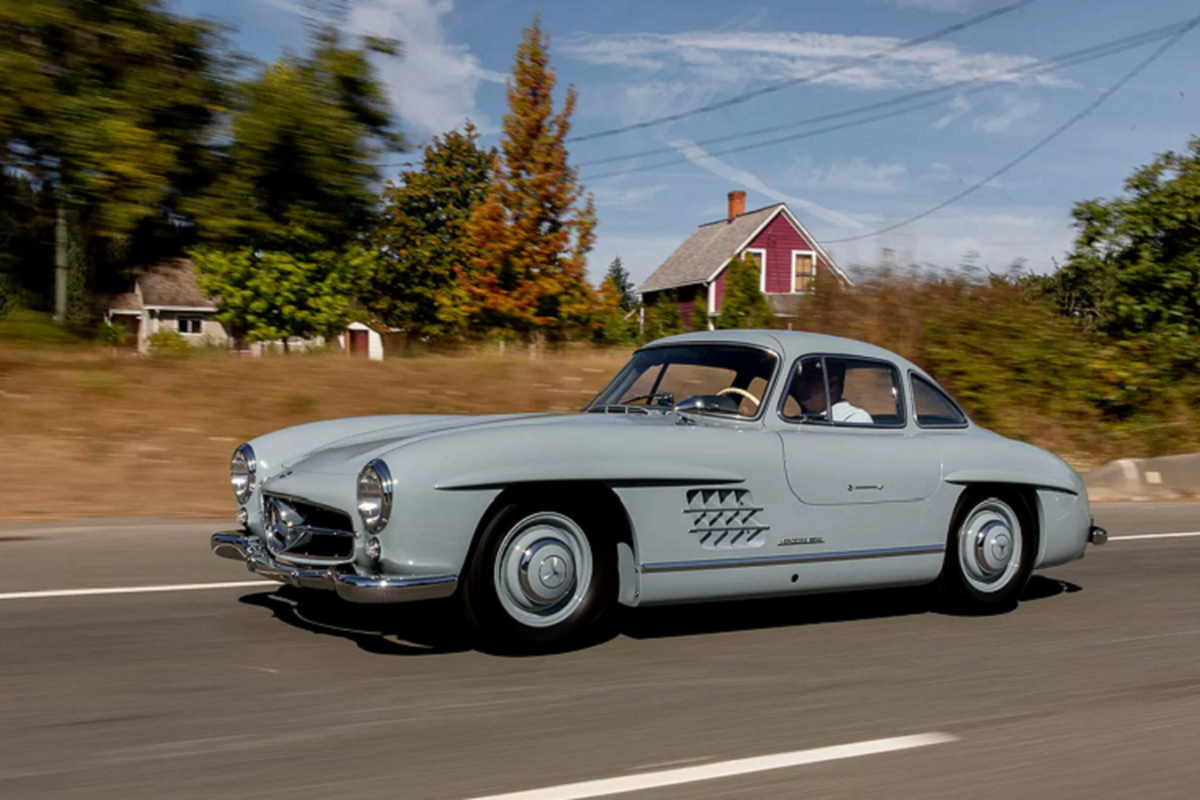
point(715, 465)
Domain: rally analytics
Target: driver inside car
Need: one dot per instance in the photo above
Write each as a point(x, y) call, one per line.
point(808, 389)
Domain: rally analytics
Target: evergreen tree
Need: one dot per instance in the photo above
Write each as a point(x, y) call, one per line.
point(662, 318)
point(744, 304)
point(530, 236)
point(700, 320)
point(619, 277)
point(422, 236)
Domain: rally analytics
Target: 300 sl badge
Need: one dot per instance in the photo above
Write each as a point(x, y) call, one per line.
point(801, 540)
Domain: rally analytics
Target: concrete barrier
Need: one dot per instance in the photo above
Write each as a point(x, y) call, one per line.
point(1173, 477)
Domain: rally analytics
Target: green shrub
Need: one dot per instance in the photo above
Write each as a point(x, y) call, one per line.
point(112, 333)
point(167, 341)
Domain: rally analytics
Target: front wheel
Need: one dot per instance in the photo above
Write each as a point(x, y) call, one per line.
point(538, 576)
point(990, 552)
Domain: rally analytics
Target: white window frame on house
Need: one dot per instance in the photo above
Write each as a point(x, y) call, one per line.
point(199, 325)
point(762, 272)
point(811, 254)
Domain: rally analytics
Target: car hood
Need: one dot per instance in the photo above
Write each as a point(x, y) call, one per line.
point(349, 453)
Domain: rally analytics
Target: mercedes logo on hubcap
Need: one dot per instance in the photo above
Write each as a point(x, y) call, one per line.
point(553, 571)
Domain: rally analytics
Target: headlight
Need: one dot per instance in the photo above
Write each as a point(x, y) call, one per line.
point(241, 472)
point(375, 495)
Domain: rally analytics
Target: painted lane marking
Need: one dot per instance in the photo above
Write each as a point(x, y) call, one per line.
point(725, 769)
point(178, 587)
point(1154, 536)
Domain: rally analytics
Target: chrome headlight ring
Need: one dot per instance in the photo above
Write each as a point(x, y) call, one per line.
point(243, 469)
point(375, 489)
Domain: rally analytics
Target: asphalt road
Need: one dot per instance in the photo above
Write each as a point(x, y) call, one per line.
point(1091, 688)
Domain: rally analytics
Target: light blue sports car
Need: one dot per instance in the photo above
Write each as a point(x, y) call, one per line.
point(715, 465)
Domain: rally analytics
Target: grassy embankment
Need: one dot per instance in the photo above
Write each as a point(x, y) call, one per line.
point(84, 433)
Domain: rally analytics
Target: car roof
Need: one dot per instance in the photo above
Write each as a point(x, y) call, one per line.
point(791, 344)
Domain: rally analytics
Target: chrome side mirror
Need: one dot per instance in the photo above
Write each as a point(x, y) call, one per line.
point(696, 404)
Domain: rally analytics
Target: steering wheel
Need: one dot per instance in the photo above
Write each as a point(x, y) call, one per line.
point(739, 393)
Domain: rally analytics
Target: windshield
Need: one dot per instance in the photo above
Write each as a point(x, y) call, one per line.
point(727, 379)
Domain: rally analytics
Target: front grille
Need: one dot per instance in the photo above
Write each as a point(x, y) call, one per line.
point(298, 528)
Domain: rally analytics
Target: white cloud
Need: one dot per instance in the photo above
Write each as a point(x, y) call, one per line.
point(936, 5)
point(1015, 110)
point(1000, 237)
point(959, 106)
point(618, 197)
point(433, 86)
point(856, 175)
point(698, 156)
point(721, 59)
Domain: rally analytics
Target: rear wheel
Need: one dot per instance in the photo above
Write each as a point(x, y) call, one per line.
point(990, 553)
point(539, 576)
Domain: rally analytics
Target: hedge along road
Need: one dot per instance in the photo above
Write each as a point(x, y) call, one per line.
point(1091, 687)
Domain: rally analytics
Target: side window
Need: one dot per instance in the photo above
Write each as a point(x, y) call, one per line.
point(934, 409)
point(805, 398)
point(864, 392)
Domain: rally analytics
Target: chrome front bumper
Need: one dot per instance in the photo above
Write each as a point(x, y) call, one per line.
point(348, 585)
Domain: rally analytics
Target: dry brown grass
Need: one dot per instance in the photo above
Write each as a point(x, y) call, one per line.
point(87, 433)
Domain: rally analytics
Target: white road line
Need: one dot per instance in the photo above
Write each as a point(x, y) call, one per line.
point(1154, 536)
point(178, 587)
point(725, 769)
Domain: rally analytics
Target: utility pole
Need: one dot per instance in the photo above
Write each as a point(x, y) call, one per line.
point(60, 264)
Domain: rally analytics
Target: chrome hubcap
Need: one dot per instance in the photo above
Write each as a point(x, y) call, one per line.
point(989, 546)
point(543, 569)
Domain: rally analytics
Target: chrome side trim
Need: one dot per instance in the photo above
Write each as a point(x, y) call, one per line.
point(349, 585)
point(766, 561)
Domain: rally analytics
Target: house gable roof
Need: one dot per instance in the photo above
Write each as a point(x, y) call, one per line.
point(709, 247)
point(171, 283)
point(704, 254)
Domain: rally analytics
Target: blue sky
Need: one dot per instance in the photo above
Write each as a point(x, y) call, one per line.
point(634, 60)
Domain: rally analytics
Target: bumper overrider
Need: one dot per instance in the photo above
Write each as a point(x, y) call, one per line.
point(349, 585)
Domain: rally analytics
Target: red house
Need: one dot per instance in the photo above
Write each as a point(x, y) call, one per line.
point(789, 260)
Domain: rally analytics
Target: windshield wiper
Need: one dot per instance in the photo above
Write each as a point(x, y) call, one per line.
point(665, 399)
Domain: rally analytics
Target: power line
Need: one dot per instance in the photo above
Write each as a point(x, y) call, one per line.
point(1102, 51)
point(1052, 64)
point(1061, 129)
point(812, 76)
point(1043, 65)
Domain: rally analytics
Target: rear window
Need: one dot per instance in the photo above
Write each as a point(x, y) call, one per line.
point(934, 407)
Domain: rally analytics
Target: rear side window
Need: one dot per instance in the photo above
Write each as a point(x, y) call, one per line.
point(935, 409)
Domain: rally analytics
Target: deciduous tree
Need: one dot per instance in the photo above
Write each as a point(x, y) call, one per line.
point(1135, 268)
point(422, 236)
point(266, 295)
point(110, 104)
point(305, 136)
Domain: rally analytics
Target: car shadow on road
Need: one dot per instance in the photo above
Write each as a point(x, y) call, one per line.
point(814, 609)
point(410, 629)
point(438, 627)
